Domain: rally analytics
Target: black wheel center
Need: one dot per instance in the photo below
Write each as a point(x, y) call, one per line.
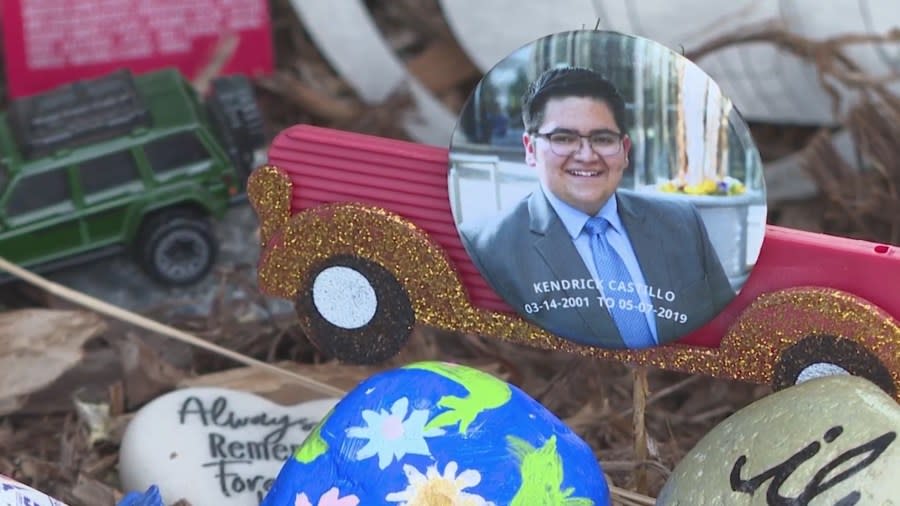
point(182, 250)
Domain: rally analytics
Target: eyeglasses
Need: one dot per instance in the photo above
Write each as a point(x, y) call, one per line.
point(567, 143)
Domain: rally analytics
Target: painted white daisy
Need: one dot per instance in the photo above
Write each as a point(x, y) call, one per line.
point(434, 488)
point(391, 435)
point(330, 498)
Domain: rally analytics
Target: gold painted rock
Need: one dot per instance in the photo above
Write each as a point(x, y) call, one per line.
point(829, 441)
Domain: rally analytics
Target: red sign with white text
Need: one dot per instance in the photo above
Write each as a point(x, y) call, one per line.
point(48, 43)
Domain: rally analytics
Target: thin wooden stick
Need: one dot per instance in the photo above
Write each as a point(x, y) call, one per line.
point(640, 428)
point(154, 326)
point(690, 380)
point(630, 497)
point(222, 53)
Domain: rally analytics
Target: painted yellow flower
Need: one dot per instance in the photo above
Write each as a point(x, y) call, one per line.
point(436, 489)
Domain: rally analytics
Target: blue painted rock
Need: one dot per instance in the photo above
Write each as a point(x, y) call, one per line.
point(827, 441)
point(434, 433)
point(13, 493)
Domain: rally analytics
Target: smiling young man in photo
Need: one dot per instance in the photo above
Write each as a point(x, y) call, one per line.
point(578, 256)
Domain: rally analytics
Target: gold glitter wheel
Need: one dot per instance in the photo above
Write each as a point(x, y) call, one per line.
point(795, 334)
point(826, 355)
point(354, 310)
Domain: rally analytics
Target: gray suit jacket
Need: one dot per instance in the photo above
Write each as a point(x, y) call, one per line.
point(529, 245)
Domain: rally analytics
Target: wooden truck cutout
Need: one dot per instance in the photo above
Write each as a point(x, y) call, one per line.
point(369, 218)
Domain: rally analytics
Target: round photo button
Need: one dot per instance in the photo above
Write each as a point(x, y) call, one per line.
point(606, 189)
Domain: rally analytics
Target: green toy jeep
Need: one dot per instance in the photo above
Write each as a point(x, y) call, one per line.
point(125, 162)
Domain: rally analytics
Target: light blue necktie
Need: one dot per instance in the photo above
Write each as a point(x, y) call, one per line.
point(610, 267)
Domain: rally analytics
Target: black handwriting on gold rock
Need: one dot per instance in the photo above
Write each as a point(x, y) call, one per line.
point(821, 481)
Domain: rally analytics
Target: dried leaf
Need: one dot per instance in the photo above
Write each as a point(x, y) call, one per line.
point(146, 374)
point(90, 491)
point(95, 415)
point(37, 346)
point(90, 378)
point(282, 390)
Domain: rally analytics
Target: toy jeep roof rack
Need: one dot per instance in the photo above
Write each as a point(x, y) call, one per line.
point(80, 112)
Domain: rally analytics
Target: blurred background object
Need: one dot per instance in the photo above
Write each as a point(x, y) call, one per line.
point(751, 48)
point(53, 43)
point(795, 71)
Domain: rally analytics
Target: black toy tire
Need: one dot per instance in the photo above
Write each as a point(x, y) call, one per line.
point(829, 351)
point(377, 336)
point(237, 120)
point(177, 249)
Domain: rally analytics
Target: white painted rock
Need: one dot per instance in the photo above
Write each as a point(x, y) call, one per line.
point(828, 441)
point(13, 493)
point(213, 446)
